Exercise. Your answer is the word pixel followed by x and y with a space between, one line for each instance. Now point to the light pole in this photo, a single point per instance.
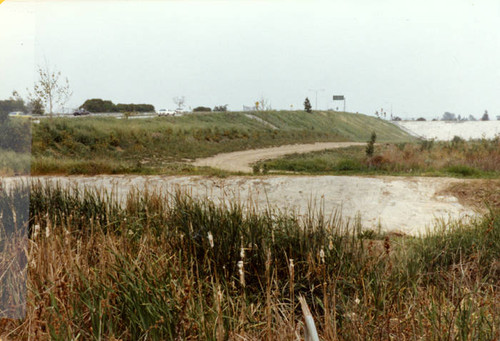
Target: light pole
pixel 316 91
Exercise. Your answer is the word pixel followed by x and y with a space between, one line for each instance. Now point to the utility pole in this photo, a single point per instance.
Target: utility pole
pixel 316 91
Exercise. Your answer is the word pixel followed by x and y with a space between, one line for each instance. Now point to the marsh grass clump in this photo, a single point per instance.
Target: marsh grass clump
pixel 163 265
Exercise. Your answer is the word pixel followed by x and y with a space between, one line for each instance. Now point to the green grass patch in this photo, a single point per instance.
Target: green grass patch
pixel 14 163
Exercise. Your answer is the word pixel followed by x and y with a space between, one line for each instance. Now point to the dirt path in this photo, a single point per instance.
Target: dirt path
pixel 241 161
pixel 408 205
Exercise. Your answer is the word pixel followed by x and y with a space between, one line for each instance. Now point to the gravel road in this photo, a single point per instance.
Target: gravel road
pixel 241 161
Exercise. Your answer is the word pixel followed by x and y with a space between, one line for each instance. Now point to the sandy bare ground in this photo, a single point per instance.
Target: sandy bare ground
pixel 240 161
pixel 445 131
pixel 408 205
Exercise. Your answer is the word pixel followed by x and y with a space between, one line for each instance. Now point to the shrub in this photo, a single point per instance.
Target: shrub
pixel 221 108
pixel 348 165
pixel 456 141
pixel 265 168
pixel 401 146
pixel 378 161
pixel 462 170
pixel 426 144
pixel 256 168
pixel 202 109
pixel 370 147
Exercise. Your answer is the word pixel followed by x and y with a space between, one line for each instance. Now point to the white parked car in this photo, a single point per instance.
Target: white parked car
pixel 165 112
pixel 16 113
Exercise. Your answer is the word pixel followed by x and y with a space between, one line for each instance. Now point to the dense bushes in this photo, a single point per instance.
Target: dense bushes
pixel 135 107
pixel 202 109
pixel 98 105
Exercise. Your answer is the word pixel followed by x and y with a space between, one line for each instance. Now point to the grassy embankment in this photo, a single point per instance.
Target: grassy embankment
pixel 15 145
pixel 169 267
pixel 162 145
pixel 457 158
pixel 14 163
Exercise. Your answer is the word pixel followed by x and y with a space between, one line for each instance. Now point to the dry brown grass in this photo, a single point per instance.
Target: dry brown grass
pixel 149 271
pixel 480 194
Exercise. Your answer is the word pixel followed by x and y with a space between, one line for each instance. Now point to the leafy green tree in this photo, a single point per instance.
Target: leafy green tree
pixel 307 105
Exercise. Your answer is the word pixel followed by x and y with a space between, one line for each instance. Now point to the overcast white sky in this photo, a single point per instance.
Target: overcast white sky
pixel 420 57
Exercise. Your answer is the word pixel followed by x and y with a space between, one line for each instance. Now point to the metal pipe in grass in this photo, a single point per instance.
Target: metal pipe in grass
pixel 310 330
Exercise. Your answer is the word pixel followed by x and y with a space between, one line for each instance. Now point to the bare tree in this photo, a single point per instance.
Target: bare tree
pixel 179 101
pixel 50 89
pixel 263 104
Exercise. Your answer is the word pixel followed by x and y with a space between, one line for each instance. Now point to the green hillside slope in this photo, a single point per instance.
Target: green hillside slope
pixel 158 141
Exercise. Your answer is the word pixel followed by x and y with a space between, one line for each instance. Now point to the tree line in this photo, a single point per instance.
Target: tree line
pixel 99 105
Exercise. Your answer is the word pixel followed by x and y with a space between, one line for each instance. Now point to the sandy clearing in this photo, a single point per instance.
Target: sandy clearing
pixel 408 205
pixel 445 131
pixel 240 161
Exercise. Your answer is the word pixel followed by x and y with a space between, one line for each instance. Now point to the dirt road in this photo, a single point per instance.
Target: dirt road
pixel 241 161
pixel 408 205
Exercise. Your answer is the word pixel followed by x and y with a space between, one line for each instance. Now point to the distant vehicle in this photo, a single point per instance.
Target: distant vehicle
pixel 17 114
pixel 81 112
pixel 166 112
pixel 179 111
